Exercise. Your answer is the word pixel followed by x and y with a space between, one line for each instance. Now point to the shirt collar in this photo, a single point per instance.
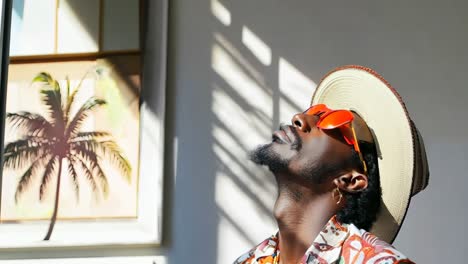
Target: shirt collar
pixel 269 247
pixel 326 247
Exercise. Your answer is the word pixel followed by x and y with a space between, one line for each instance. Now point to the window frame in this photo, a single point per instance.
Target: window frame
pixel 147 228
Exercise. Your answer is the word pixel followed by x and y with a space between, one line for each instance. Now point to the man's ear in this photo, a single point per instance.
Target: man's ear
pixel 352 182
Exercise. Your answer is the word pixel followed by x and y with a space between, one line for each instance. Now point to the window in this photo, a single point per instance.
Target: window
pixel 77 160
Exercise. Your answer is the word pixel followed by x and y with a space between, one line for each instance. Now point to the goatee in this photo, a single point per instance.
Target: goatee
pixel 265 155
pixel 312 172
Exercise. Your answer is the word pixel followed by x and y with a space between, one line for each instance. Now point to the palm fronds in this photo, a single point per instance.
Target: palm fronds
pixel 77 160
pixel 29 123
pixel 74 174
pixel 52 98
pixel 83 164
pixel 97 135
pixel 21 152
pixel 70 98
pixel 90 157
pixel 108 149
pixel 31 172
pixel 46 141
pixel 46 177
pixel 74 125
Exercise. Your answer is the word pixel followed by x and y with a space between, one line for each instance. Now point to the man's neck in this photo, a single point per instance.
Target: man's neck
pixel 301 215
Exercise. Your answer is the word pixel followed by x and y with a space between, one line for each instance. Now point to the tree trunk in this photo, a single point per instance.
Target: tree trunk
pixel 57 192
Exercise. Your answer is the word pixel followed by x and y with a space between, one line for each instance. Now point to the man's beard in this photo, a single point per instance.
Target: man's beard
pixel 266 156
pixel 313 172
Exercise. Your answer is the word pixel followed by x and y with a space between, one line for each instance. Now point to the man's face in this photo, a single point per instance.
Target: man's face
pixel 304 151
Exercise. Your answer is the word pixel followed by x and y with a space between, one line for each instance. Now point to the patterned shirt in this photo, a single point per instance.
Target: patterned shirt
pixel 336 243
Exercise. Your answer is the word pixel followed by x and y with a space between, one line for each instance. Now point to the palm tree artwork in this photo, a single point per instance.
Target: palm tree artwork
pixel 44 143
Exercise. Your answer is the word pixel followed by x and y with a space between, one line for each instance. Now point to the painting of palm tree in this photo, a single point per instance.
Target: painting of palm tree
pixel 55 145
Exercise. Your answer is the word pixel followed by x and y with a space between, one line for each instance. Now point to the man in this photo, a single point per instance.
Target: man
pixel 349 163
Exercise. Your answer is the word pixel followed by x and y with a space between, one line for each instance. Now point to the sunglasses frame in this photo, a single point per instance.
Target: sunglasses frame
pixel 347 125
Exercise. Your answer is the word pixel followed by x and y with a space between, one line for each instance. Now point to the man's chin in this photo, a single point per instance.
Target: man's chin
pixel 265 155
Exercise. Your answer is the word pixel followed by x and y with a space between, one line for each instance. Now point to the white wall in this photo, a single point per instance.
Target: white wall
pixel 225 99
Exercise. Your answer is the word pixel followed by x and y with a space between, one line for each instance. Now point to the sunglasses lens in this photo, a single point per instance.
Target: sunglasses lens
pixel 347 134
pixel 336 119
pixel 316 109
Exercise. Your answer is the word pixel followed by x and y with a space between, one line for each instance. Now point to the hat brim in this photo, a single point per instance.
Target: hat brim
pixel 364 91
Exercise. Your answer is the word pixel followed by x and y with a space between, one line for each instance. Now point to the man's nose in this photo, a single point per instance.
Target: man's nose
pixel 303 122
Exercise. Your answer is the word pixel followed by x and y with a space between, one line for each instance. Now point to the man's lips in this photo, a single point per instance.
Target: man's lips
pixel 284 135
pixel 280 136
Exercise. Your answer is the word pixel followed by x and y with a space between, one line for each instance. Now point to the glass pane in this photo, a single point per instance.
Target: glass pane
pixel 121 17
pixel 32 27
pixel 78 26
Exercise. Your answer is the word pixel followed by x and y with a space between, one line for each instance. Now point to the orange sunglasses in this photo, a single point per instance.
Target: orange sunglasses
pixel 341 119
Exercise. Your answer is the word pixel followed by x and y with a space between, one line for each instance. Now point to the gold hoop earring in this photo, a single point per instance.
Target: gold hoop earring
pixel 339 193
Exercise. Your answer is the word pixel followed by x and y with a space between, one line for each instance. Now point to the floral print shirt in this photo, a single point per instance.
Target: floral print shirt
pixel 336 243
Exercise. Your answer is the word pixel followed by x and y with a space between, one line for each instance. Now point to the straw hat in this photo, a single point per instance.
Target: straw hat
pixel 402 158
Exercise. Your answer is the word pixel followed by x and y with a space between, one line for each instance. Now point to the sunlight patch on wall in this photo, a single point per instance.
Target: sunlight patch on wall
pixel 296 90
pixel 238 171
pixel 234 75
pixel 241 119
pixel 242 106
pixel 234 205
pixel 235 240
pixel 221 12
pixel 240 58
pixel 236 133
pixel 257 46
